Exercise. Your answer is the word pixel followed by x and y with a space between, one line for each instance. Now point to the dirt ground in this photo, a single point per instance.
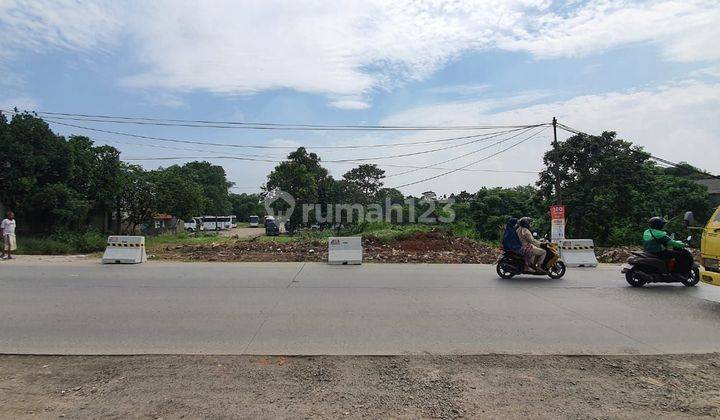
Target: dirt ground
pixel 428 247
pixel 674 386
pixel 422 247
pixel 242 232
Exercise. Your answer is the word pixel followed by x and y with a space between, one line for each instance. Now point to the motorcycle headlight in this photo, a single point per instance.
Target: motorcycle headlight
pixel 711 264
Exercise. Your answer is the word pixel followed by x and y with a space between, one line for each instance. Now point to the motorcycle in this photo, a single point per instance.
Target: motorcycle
pixel 643 267
pixel 512 264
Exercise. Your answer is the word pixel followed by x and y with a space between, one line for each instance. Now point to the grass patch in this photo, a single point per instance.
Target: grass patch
pixel 386 232
pixel 62 243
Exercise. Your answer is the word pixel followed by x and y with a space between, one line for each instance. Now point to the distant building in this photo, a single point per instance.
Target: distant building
pixel 164 223
pixel 713 186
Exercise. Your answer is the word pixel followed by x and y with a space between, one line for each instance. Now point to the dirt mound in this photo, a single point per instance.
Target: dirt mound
pixel 620 254
pixel 430 247
pixel 615 255
pixel 249 251
pixel 422 247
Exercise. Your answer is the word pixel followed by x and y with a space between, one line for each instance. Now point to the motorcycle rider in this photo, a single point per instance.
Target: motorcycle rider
pixel 534 255
pixel 657 242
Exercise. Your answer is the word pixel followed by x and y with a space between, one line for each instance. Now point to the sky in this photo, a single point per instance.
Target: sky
pixel 649 71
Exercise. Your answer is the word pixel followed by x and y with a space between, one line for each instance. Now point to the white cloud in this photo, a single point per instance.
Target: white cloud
pixel 684 30
pixel 712 71
pixel 22 103
pixel 461 90
pixel 41 25
pixel 677 122
pixel 348 51
pixel 349 104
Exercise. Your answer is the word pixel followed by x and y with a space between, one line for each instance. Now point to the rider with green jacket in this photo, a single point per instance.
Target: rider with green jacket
pixel 656 241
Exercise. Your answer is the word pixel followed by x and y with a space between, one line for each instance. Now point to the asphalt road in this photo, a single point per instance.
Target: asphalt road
pixel 83 307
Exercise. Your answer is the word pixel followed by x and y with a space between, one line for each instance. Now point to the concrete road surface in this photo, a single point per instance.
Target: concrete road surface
pixel 83 307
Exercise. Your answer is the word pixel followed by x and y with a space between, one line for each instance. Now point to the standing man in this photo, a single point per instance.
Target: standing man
pixel 7 230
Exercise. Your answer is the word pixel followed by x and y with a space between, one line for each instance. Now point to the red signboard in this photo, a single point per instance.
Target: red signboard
pixel 557 212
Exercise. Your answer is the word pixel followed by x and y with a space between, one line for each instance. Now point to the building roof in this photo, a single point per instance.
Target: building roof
pixel 162 216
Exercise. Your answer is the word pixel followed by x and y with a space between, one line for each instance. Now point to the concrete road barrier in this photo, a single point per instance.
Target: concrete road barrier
pixel 125 250
pixel 345 250
pixel 578 252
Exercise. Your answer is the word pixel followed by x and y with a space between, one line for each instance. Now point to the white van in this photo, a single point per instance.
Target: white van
pixel 254 221
pixel 194 225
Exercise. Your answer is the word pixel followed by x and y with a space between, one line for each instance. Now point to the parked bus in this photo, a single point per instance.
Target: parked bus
pixel 211 223
pixel 254 221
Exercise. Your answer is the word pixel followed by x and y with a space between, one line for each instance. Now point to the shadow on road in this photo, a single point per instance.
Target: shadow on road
pixel 530 279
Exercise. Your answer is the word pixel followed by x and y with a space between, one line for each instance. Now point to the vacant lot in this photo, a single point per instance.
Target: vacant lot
pixel 672 386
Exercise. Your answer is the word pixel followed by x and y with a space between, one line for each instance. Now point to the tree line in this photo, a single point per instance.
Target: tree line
pixel 610 188
pixel 55 183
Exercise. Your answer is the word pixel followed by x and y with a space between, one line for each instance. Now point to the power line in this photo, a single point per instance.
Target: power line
pixel 472 163
pixel 207 143
pixel 254 125
pixel 364 159
pixel 231 157
pixel 401 155
pixel 158 146
pixel 461 156
pixel 655 158
pixel 421 152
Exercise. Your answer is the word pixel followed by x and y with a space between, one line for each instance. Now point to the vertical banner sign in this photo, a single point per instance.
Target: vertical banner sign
pixel 557 220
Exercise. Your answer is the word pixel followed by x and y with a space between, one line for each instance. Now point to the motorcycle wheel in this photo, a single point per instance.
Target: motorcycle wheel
pixel 633 279
pixel 693 279
pixel 502 272
pixel 557 271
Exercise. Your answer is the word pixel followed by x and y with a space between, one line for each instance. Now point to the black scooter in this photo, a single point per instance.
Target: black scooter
pixel 643 267
pixel 512 264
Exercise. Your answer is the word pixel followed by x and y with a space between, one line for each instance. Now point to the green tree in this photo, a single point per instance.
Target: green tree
pixel 302 176
pixel 36 163
pixel 363 183
pixel 177 194
pixel 490 209
pixel 611 188
pixel 214 183
pixel 138 201
pixel 246 205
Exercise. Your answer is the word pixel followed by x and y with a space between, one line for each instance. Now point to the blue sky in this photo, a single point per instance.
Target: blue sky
pixel 648 70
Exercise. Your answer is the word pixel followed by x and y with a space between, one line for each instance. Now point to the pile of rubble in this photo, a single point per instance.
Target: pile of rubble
pixel 620 254
pixel 425 247
pixel 615 255
pixel 430 247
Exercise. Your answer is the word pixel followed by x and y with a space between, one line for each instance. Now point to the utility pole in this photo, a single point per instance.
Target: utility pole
pixel 558 196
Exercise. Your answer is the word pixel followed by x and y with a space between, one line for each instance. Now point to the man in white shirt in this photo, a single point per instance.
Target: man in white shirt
pixel 7 230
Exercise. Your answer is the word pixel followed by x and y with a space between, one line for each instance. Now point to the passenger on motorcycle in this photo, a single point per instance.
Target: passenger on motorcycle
pixel 656 241
pixel 534 255
pixel 511 240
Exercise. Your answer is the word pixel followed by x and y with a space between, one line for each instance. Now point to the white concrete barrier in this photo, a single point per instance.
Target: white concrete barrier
pixel 578 252
pixel 125 250
pixel 345 250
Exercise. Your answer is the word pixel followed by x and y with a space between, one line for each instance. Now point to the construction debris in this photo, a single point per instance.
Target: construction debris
pixel 424 247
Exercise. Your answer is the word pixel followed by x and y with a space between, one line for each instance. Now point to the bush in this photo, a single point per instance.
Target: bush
pixel 61 243
pixel 42 246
